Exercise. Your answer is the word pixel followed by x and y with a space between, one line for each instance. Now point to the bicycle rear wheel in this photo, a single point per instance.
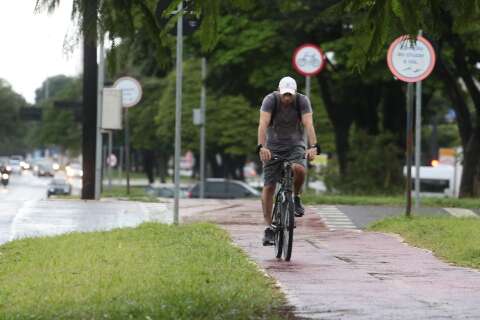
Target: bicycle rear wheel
pixel 288 226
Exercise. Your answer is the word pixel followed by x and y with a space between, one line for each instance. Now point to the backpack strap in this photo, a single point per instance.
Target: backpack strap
pixel 274 111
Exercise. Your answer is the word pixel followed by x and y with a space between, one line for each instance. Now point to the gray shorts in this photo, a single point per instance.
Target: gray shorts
pixel 272 170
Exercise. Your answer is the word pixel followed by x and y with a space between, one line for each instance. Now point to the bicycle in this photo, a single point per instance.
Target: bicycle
pixel 283 214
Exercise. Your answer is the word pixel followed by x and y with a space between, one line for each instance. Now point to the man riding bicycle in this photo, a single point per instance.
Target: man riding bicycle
pixel 284 117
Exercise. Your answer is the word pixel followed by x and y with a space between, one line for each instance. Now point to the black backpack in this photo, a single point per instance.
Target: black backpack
pixel 296 105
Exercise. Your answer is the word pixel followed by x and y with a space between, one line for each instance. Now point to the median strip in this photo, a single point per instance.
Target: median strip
pixel 154 271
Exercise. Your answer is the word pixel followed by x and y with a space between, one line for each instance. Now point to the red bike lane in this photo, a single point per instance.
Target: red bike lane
pixel 348 274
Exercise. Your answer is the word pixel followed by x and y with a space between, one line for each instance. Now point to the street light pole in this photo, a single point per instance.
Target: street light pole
pixel 178 110
pixel 98 157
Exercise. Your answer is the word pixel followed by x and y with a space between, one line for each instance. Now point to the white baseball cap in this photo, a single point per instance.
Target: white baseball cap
pixel 287 85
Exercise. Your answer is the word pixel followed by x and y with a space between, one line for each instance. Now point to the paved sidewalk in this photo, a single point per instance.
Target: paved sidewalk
pixel 348 274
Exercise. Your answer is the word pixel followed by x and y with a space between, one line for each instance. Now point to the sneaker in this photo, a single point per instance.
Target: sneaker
pixel 269 237
pixel 299 209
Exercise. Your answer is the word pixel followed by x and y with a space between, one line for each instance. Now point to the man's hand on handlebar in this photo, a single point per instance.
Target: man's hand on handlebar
pixel 265 154
pixel 311 153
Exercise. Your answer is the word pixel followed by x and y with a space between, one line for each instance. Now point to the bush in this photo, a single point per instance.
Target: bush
pixel 374 166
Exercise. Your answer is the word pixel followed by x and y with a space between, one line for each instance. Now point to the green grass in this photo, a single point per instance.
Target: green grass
pixel 137 193
pixel 310 198
pixel 153 271
pixel 456 240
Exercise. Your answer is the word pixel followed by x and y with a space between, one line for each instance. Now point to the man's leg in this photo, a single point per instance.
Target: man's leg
pixel 298 179
pixel 267 203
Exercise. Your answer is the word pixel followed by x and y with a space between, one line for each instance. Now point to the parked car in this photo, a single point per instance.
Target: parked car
pixel 164 192
pixel 74 170
pixel 59 186
pixel 43 169
pixel 224 189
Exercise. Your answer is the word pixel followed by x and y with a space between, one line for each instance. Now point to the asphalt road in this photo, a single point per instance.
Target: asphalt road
pixel 25 210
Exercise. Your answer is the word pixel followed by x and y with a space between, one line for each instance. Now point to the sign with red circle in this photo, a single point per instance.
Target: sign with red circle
pixel 411 61
pixel 308 59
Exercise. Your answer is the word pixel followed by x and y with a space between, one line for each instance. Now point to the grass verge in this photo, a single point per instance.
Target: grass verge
pixel 311 198
pixel 137 193
pixel 456 240
pixel 153 271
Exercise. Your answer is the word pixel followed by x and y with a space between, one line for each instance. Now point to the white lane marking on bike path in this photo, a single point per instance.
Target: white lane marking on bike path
pixel 334 218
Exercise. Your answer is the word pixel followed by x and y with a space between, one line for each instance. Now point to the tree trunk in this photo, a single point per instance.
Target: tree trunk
pixel 341 119
pixel 471 174
pixel 149 164
pixel 89 113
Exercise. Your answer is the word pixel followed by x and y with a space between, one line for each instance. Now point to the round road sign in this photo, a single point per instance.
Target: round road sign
pixel 112 160
pixel 308 59
pixel 131 91
pixel 411 61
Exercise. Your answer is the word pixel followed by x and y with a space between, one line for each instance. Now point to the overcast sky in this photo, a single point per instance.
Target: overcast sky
pixel 33 45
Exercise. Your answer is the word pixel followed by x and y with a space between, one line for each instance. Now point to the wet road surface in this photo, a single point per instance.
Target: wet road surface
pixel 25 211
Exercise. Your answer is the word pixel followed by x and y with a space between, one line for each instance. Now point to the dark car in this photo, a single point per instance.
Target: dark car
pixel 163 192
pixel 224 189
pixel 59 187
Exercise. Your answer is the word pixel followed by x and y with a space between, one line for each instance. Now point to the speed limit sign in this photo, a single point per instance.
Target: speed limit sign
pixel 308 60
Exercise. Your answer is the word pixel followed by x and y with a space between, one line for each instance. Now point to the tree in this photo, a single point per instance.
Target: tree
pixel 59 126
pixel 12 131
pixel 453 27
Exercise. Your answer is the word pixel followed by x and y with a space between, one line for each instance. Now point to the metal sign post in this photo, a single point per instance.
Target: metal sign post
pixel 308 60
pixel 98 156
pixel 178 110
pixel 411 61
pixel 131 95
pixel 409 143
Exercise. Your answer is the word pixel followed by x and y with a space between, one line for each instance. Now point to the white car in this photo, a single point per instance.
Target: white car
pixel 74 170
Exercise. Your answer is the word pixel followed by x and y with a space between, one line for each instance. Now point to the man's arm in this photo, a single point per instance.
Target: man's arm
pixel 262 126
pixel 307 120
pixel 262 134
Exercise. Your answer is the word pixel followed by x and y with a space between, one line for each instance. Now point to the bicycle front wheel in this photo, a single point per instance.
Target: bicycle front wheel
pixel 288 226
pixel 278 228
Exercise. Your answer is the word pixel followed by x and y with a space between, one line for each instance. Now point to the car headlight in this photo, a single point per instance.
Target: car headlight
pixel 55 166
pixel 8 168
pixel 4 176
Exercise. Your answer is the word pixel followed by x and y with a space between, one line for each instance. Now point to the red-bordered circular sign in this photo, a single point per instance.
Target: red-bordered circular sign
pixel 131 91
pixel 308 59
pixel 411 62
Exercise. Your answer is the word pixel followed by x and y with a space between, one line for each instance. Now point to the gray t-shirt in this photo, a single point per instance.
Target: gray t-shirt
pixel 286 130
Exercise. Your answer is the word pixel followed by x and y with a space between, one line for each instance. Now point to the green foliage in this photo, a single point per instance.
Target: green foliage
pixel 12 130
pixel 59 126
pixel 231 122
pixel 373 167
